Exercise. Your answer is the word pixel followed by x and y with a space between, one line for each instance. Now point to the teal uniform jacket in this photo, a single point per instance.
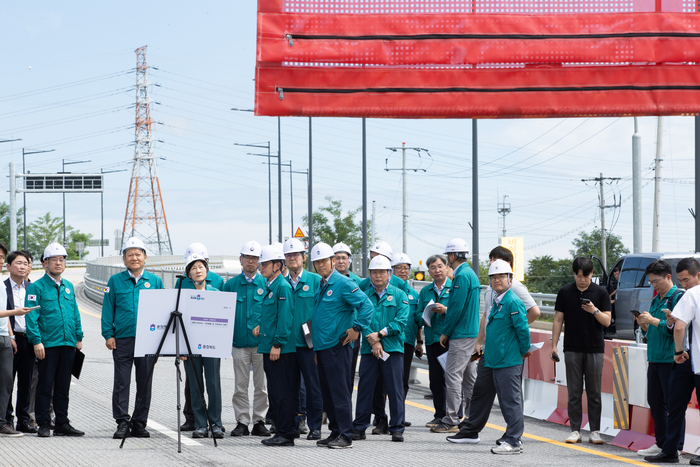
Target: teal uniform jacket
pixel 249 300
pixel 415 319
pixel 121 303
pixel 213 279
pixel 507 333
pixel 304 295
pixel 57 322
pixel 338 306
pixel 391 311
pixel 660 345
pixel 396 281
pixel 462 316
pixel 432 333
pixel 277 317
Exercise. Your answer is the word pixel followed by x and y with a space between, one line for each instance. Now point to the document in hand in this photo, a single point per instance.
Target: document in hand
pixel 443 360
pixel 306 328
pixel 428 312
pixel 535 347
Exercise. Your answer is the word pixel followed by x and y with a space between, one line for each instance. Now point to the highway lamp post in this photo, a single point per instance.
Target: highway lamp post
pixel 63 171
pixel 24 193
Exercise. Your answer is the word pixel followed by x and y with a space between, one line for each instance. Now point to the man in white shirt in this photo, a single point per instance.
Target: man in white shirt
pixel 18 263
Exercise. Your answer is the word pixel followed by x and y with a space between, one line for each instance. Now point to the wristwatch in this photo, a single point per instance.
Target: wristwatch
pixel 380 335
pixel 277 345
pixel 596 311
pixel 420 342
pixel 356 328
pixel 679 352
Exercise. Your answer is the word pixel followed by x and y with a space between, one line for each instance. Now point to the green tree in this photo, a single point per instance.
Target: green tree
pixel 5 225
pixel 48 229
pixel 544 274
pixel 331 225
pixel 588 243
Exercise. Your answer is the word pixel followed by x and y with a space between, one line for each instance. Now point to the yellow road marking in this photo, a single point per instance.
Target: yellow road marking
pixel 549 441
pixel 88 313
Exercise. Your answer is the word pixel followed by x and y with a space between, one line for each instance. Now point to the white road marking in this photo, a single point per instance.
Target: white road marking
pixel 186 440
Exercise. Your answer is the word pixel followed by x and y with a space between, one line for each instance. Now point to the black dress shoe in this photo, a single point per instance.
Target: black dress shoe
pixel 324 442
pixel 67 430
pixel 405 423
pixel 314 435
pixel 122 430
pixel 45 430
pixel 397 437
pixel 358 435
pixel 138 430
pixel 695 461
pixel 260 430
pixel 382 427
pixel 278 441
pixel 297 434
pixel 662 458
pixel 25 427
pixel 241 430
pixel 187 426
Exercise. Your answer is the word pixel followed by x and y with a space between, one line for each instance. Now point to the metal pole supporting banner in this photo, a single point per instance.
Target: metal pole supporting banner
pixel 603 248
pixel 475 199
pixel 697 186
pixel 405 212
pixel 291 200
pixel 279 178
pixel 364 197
pixel 24 202
pixel 655 239
pixel 311 203
pixel 637 188
pixel 269 193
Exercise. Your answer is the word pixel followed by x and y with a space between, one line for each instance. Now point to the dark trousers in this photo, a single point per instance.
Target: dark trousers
pixel 408 350
pixel 581 365
pixel 392 372
pixel 658 379
pixel 187 409
pixel 437 378
pixel 5 373
pixel 283 384
pixel 123 357
pixel 378 395
pixel 210 368
pixel 313 398
pixel 682 383
pixel 23 368
pixel 483 395
pixel 54 372
pixel 334 376
pixel 355 355
pixel 301 411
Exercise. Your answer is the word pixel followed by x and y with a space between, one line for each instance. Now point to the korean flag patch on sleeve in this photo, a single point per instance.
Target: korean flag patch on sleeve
pixel 31 298
pixel 106 289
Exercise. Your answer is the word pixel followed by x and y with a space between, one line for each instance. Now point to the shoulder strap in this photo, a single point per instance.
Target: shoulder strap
pixel 672 300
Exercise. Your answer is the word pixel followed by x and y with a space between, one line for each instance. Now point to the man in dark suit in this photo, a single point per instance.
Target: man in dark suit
pixel 18 265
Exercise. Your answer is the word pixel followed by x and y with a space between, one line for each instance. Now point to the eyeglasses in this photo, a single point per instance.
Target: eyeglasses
pixel 57 259
pixel 656 281
pixel 20 263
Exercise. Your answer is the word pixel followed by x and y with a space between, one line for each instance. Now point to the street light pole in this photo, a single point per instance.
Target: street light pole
pixel 63 171
pixel 24 194
pixel 102 211
pixel 269 181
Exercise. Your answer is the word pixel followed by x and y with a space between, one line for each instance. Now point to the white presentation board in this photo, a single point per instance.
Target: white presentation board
pixel 208 317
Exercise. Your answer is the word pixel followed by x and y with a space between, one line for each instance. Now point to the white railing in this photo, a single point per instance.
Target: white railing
pixel 98 271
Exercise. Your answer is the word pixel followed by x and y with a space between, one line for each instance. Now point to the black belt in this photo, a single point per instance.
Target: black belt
pixel 20 333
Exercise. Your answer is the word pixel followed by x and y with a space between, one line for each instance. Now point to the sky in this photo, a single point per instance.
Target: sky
pixel 67 82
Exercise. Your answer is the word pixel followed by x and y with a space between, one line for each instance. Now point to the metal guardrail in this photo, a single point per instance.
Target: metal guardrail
pixel 98 271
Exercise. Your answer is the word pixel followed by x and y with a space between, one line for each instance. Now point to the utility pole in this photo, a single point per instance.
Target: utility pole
pixel 504 210
pixel 637 188
pixel 13 208
pixel 657 187
pixel 403 169
pixel 616 204
pixel 269 179
pixel 373 212
pixel 24 193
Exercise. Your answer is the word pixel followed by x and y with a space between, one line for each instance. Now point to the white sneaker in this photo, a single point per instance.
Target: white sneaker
pixel 505 448
pixel 594 438
pixel 574 437
pixel 650 451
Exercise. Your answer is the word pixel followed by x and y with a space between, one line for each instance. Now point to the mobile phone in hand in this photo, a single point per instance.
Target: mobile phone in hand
pixel 585 301
pixel 635 313
pixel 555 357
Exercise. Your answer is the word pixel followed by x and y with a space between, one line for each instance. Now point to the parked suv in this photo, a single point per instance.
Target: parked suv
pixel 634 291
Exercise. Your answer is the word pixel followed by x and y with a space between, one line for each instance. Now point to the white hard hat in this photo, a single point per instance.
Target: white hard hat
pixel 342 248
pixel 379 262
pixel 193 258
pixel 499 267
pixel 251 248
pixel 196 248
pixel 271 253
pixel 321 251
pixel 55 249
pixel 134 242
pixel 457 245
pixel 292 245
pixel 401 258
pixel 384 249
